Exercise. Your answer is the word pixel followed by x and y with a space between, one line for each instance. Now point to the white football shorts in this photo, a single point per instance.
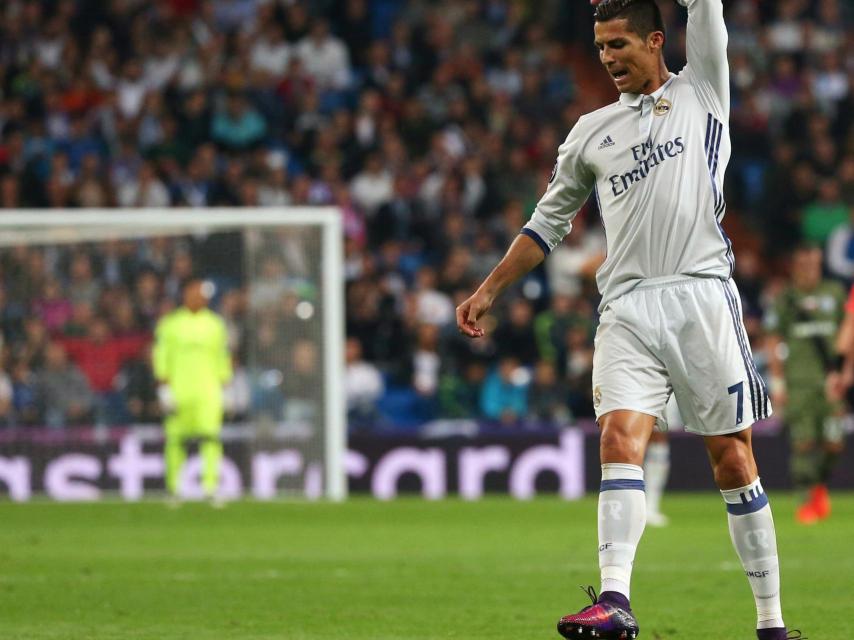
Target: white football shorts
pixel 682 336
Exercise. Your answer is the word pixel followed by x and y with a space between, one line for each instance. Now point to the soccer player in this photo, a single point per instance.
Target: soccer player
pixel 191 357
pixel 803 326
pixel 670 316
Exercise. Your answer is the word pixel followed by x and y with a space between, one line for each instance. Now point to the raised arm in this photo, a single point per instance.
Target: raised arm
pixel 706 52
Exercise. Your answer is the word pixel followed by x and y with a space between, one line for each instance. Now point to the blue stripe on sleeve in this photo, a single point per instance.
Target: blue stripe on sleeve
pixel 533 235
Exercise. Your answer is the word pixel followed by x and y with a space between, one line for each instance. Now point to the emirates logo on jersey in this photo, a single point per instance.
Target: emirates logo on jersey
pixel 648 157
pixel 662 107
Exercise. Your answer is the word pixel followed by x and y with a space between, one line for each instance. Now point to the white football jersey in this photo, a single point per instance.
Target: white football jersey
pixel 656 165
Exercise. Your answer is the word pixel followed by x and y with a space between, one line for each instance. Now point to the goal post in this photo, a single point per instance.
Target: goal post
pixel 305 243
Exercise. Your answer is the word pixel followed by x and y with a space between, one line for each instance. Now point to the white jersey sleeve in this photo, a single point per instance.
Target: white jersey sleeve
pixel 706 51
pixel 568 189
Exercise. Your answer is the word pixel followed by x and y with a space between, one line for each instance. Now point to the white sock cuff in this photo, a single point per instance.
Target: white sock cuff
pixel 734 496
pixel 747 499
pixel 619 471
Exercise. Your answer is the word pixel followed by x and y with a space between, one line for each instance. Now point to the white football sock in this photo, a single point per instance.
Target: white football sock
pixel 622 517
pixel 656 468
pixel 751 528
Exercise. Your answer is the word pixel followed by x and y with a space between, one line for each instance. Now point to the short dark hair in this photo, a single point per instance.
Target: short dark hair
pixel 808 246
pixel 644 16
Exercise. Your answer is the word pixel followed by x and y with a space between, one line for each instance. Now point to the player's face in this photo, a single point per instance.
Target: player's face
pixel 194 296
pixel 632 62
pixel 806 268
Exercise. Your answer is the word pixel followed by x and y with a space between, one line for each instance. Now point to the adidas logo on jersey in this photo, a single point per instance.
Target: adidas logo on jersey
pixel 607 142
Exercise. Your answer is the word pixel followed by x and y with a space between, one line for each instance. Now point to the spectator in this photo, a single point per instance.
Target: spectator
pixel 138 387
pixel 146 190
pixel 301 382
pixel 551 326
pixel 426 362
pixel 325 58
pixel 27 401
pixel 503 396
pixel 547 396
pixel 270 54
pixel 432 306
pixel 373 187
pixel 52 307
pixel 131 90
pixel 68 399
pixel 237 126
pixel 515 337
pixel 363 384
pixel 579 369
pixel 826 214
pixel 100 356
pixel 459 395
pixel 83 286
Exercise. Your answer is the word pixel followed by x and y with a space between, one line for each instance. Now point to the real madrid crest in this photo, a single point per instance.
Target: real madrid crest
pixel 597 396
pixel 662 107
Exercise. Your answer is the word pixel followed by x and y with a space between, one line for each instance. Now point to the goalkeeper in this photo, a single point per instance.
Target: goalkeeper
pixel 192 363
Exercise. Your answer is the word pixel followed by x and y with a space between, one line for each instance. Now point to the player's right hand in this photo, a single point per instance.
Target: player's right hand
pixel 165 397
pixel 470 311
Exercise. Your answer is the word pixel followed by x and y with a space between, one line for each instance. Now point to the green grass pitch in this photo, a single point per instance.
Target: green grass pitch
pixel 365 570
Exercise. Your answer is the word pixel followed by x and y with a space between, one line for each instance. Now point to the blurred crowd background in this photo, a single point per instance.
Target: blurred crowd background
pixel 434 127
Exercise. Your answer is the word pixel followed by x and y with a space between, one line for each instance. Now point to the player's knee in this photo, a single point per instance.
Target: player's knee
pixel 617 445
pixel 735 468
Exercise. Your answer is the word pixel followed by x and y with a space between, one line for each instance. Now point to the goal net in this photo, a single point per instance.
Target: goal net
pixel 80 295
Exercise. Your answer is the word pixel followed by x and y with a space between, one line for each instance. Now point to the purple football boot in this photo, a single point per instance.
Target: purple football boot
pixel 608 618
pixel 779 633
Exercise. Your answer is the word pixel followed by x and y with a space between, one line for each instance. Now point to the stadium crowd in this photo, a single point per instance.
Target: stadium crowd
pixel 434 126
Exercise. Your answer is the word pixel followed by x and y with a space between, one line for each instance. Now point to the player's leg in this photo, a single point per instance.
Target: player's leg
pixel 210 418
pixel 630 390
pixel 174 453
pixel 720 395
pixel 804 424
pixel 622 503
pixel 622 517
pixel 751 525
pixel 833 443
